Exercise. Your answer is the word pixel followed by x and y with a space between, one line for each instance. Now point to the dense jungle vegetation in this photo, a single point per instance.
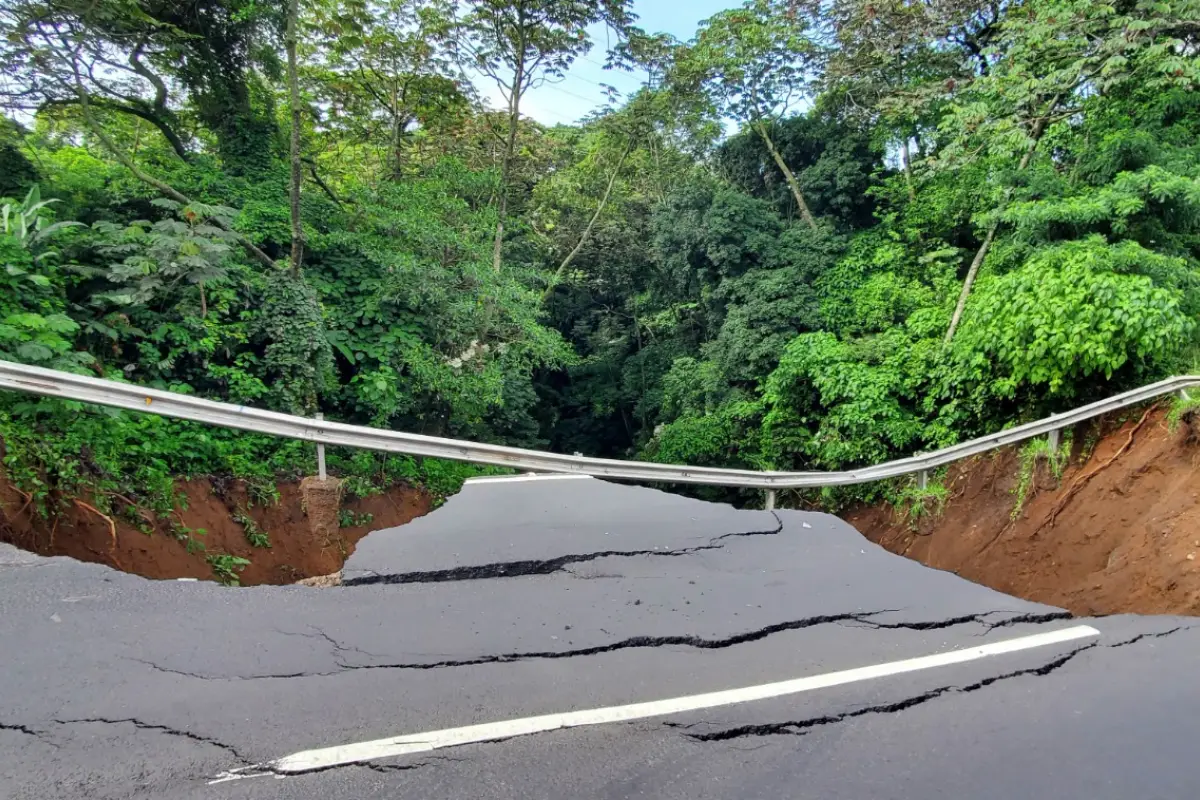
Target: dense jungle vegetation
pixel 824 233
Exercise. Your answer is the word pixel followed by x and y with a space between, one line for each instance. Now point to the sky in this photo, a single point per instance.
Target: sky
pixel 580 91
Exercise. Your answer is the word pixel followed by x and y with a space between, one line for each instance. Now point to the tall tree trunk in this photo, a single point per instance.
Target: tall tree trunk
pixel 294 103
pixel 906 162
pixel 510 145
pixel 805 214
pixel 1039 128
pixel 980 254
pixel 397 134
pixel 583 237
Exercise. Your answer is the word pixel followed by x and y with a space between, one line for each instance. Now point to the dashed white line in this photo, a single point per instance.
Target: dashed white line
pixel 326 757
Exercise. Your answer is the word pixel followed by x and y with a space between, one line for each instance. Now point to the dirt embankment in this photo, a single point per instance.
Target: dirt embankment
pixel 1118 532
pixel 218 518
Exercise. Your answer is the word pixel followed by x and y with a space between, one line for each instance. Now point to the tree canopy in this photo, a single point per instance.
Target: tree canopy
pixel 821 235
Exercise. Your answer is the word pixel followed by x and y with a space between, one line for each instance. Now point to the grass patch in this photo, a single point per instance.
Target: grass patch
pixel 1034 453
pixel 1182 408
pixel 914 503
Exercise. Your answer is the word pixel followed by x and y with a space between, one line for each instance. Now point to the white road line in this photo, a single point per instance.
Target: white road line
pixel 326 757
pixel 514 478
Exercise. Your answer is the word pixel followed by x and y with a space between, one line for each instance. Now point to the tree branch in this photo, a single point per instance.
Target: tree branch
pixel 312 168
pixel 173 139
pixel 168 190
pixel 583 237
pixel 160 86
pixel 1039 128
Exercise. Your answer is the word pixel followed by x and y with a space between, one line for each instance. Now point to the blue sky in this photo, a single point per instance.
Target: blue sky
pixel 580 92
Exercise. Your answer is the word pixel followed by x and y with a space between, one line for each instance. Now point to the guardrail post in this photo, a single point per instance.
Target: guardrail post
pixel 923 479
pixel 770 504
pixel 1054 439
pixel 320 454
pixel 1184 396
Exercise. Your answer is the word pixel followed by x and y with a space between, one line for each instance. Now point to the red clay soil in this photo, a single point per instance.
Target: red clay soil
pixel 296 552
pixel 1118 533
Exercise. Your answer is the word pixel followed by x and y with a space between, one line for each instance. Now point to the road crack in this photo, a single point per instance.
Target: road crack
pixel 862 619
pixel 801 727
pixel 41 736
pixel 1158 635
pixel 337 646
pixel 516 569
pixel 966 619
pixel 165 729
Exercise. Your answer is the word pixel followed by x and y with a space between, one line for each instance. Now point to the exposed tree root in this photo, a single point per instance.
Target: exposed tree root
pixel 112 527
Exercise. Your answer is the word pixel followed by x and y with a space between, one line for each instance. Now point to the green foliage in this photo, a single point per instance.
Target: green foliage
pixel 33 326
pixel 192 538
pixel 835 161
pixel 159 255
pixel 263 493
pixel 844 404
pixel 255 535
pixel 297 359
pixel 365 474
pixel 726 437
pixel 766 307
pixel 26 223
pixel 1057 322
pixel 913 504
pixel 227 568
pixel 1182 408
pixel 696 321
pixel 750 61
pixel 16 171
pixel 349 519
pixel 55 450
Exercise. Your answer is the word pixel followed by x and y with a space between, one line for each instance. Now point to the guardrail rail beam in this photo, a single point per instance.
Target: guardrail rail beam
pixel 90 389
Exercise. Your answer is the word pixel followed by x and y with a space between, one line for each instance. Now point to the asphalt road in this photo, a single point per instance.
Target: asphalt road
pixel 797 661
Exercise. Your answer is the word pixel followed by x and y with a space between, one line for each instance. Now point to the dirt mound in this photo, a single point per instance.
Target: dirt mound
pixel 219 518
pixel 1118 532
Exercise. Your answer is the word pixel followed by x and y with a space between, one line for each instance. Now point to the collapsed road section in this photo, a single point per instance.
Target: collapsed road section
pixel 577 638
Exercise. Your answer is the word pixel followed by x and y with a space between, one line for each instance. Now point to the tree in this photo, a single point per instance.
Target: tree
pixel 1050 60
pixel 223 52
pixel 293 81
pixel 835 162
pixel 894 64
pixel 779 298
pixel 753 63
pixel 119 62
pixel 619 133
pixel 380 67
pixel 130 54
pixel 521 44
pixel 157 256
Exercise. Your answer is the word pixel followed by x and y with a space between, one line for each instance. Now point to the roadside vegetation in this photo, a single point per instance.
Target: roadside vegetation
pixel 821 235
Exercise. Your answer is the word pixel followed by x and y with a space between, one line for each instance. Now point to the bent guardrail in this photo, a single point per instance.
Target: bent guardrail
pixel 51 383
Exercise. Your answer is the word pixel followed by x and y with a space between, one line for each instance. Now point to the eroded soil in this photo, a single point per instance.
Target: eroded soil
pixel 296 550
pixel 1119 532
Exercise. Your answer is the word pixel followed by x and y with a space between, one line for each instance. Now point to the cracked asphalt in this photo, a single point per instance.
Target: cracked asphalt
pixel 519 599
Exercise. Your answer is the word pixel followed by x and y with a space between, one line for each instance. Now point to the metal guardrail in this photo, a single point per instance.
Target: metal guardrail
pixel 51 383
